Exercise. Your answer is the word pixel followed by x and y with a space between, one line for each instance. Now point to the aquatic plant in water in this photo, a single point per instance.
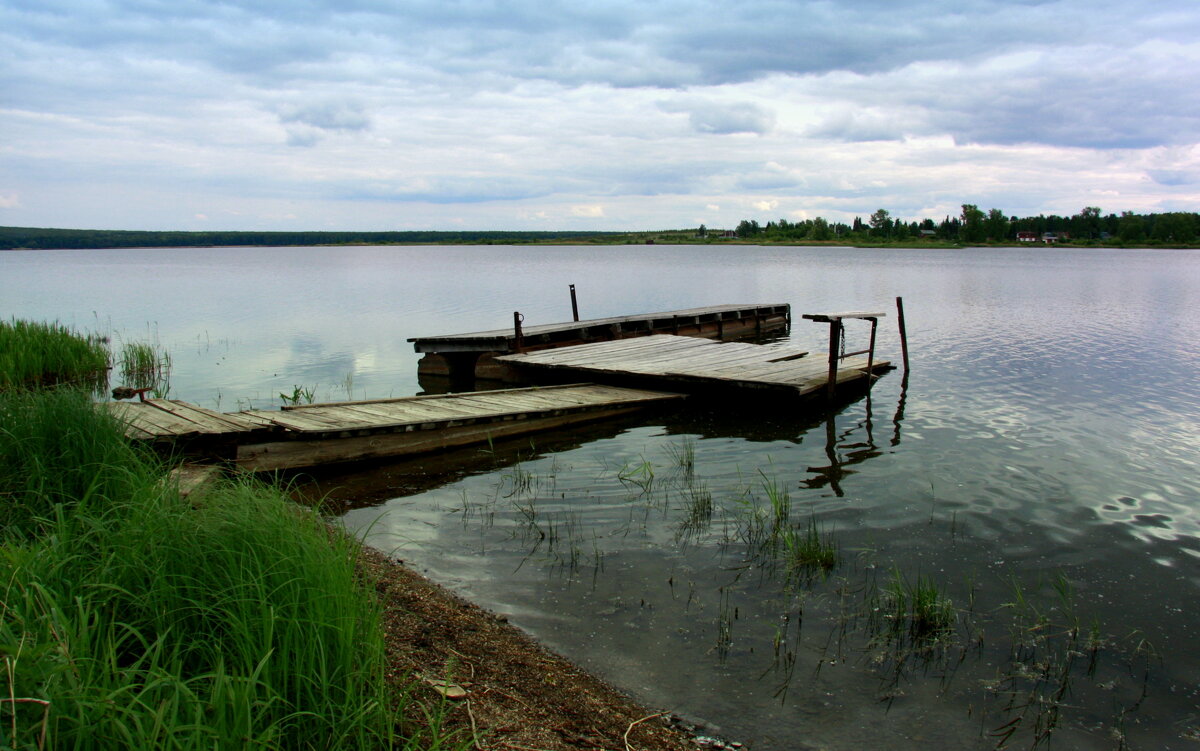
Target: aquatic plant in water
pixel 145 366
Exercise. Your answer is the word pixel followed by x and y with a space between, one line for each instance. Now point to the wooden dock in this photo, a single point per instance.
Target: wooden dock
pixel 473 353
pixel 312 434
pixel 689 364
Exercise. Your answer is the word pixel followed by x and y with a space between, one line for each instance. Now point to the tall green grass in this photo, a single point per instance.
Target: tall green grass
pixel 145 366
pixel 35 354
pixel 132 618
pixel 57 449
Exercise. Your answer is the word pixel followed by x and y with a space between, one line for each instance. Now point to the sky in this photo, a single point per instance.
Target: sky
pixel 589 114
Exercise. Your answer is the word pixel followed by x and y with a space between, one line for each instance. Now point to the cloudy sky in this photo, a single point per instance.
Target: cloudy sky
pixel 586 114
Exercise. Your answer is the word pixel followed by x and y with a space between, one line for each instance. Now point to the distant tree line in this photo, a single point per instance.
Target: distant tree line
pixel 975 226
pixel 39 238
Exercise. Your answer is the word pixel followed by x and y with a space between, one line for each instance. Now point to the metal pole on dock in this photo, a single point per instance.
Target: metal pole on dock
pixel 903 333
pixel 519 344
pixel 574 304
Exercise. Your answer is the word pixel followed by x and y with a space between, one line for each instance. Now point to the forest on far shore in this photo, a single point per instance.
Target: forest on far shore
pixel 972 227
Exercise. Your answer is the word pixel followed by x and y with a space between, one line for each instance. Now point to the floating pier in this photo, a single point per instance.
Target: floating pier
pixel 313 434
pixel 632 367
pixel 691 365
pixel 473 354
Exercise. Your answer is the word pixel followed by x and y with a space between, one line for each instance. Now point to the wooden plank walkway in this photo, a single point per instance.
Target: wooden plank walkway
pixel 687 363
pixel 171 419
pixel 312 434
pixel 716 319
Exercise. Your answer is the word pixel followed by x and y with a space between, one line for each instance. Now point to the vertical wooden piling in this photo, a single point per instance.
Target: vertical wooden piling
pixel 835 345
pixel 519 343
pixel 574 304
pixel 871 354
pixel 903 333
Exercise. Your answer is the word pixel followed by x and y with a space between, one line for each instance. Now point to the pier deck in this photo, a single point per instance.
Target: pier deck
pixel 681 363
pixel 716 320
pixel 311 434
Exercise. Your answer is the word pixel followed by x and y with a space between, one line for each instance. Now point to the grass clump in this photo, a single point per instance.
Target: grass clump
pixel 808 550
pixel 145 366
pixel 918 607
pixel 135 619
pixel 37 355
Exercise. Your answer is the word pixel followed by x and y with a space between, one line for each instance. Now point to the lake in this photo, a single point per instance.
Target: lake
pixel 1032 484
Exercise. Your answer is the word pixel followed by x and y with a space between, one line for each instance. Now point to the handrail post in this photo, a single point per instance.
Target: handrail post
pixel 871 352
pixel 903 333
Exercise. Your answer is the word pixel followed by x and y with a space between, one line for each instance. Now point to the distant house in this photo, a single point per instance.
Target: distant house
pixel 928 234
pixel 1027 237
pixel 1055 237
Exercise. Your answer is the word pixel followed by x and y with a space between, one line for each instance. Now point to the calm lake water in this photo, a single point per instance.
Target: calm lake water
pixel 1039 467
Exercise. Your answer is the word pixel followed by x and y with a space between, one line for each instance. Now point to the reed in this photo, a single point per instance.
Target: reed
pixel 38 355
pixel 145 366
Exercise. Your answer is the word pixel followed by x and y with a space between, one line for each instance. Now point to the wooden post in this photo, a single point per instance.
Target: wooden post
pixel 519 343
pixel 871 355
pixel 574 304
pixel 903 333
pixel 835 343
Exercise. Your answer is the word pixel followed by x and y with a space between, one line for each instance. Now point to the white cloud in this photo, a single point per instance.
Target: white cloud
pixel 10 201
pixel 135 114
pixel 591 212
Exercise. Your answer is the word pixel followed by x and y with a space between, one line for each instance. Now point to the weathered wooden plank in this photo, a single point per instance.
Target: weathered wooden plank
pixel 425 397
pixel 699 361
pixel 160 423
pixel 305 423
pixel 831 317
pixel 295 454
pixel 731 312
pixel 212 422
pixel 134 428
pixel 621 348
pixel 190 478
pixel 261 418
pixel 456 409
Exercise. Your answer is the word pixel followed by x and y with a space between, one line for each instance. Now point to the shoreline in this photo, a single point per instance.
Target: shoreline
pixel 519 694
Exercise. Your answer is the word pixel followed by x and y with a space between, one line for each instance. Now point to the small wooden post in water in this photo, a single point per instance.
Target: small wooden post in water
pixel 574 304
pixel 519 344
pixel 903 333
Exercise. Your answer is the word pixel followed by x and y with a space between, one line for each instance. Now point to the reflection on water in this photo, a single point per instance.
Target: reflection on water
pixel 1049 429
pixel 692 579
